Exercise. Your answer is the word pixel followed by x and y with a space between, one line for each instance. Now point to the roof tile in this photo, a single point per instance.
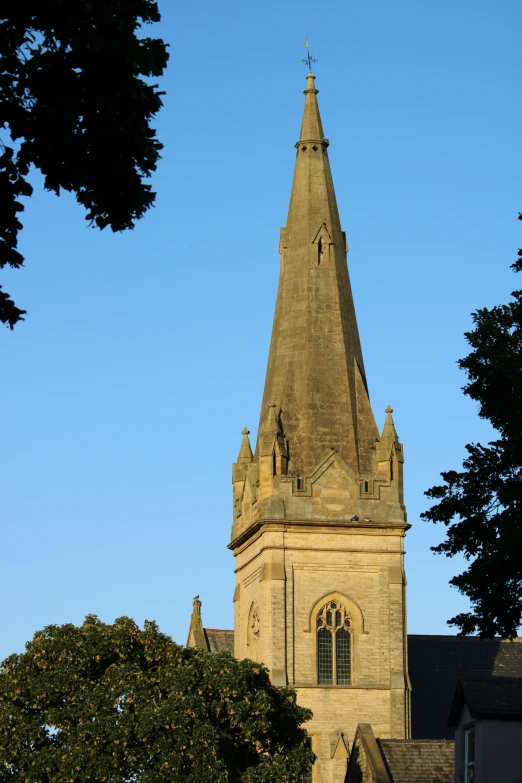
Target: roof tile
pixel 418 761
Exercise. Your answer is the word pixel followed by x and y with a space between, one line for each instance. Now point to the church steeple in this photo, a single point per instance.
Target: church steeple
pixel 316 426
pixel 319 518
pixel 315 372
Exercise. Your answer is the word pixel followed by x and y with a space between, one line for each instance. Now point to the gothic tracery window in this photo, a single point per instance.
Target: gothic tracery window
pixel 334 645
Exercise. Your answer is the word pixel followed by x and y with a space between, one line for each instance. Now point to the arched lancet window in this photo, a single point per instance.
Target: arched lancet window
pixel 254 631
pixel 334 645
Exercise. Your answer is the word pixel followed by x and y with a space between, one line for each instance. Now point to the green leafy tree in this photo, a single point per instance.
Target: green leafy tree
pixel 75 106
pixel 115 703
pixel 481 506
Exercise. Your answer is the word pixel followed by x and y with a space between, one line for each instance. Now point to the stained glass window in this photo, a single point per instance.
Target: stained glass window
pixel 342 656
pixel 334 645
pixel 324 657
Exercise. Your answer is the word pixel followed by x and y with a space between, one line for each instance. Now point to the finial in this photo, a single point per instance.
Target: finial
pixel 245 452
pixel 389 431
pixel 309 57
pixel 196 605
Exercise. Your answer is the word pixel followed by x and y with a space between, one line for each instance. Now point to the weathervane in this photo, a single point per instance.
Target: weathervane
pixel 309 57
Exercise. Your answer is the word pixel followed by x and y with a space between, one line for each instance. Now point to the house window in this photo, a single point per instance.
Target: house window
pixel 334 645
pixel 469 755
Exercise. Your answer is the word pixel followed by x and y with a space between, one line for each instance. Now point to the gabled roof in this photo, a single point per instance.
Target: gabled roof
pixel 399 760
pixel 219 640
pixel 493 698
pixel 211 639
pixel 413 761
pixel 434 663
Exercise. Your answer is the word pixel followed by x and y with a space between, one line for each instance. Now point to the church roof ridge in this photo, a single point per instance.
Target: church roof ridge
pixel 456 638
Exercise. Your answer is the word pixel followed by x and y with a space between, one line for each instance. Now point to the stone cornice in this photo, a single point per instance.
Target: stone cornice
pixel 329 525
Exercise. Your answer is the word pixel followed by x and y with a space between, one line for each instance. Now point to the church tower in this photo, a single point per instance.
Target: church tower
pixel 319 517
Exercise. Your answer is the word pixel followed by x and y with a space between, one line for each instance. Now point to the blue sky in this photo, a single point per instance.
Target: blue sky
pixel 143 354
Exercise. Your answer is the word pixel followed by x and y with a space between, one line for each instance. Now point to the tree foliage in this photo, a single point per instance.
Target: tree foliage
pixel 481 506
pixel 118 704
pixel 75 106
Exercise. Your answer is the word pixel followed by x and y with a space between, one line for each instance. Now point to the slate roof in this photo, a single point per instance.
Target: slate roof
pixel 495 698
pixel 418 761
pixel 219 640
pixel 434 663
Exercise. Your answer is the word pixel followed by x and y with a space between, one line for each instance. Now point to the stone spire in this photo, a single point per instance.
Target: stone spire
pixel 389 433
pixel 318 453
pixel 245 452
pixel 315 375
pixel 319 518
pixel 311 126
pixel 196 636
pixel 390 457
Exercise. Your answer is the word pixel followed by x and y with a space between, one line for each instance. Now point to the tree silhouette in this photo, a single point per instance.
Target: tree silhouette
pixel 75 106
pixel 120 704
pixel 481 506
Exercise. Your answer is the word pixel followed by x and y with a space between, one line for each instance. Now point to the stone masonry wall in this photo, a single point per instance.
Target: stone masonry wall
pixel 290 572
